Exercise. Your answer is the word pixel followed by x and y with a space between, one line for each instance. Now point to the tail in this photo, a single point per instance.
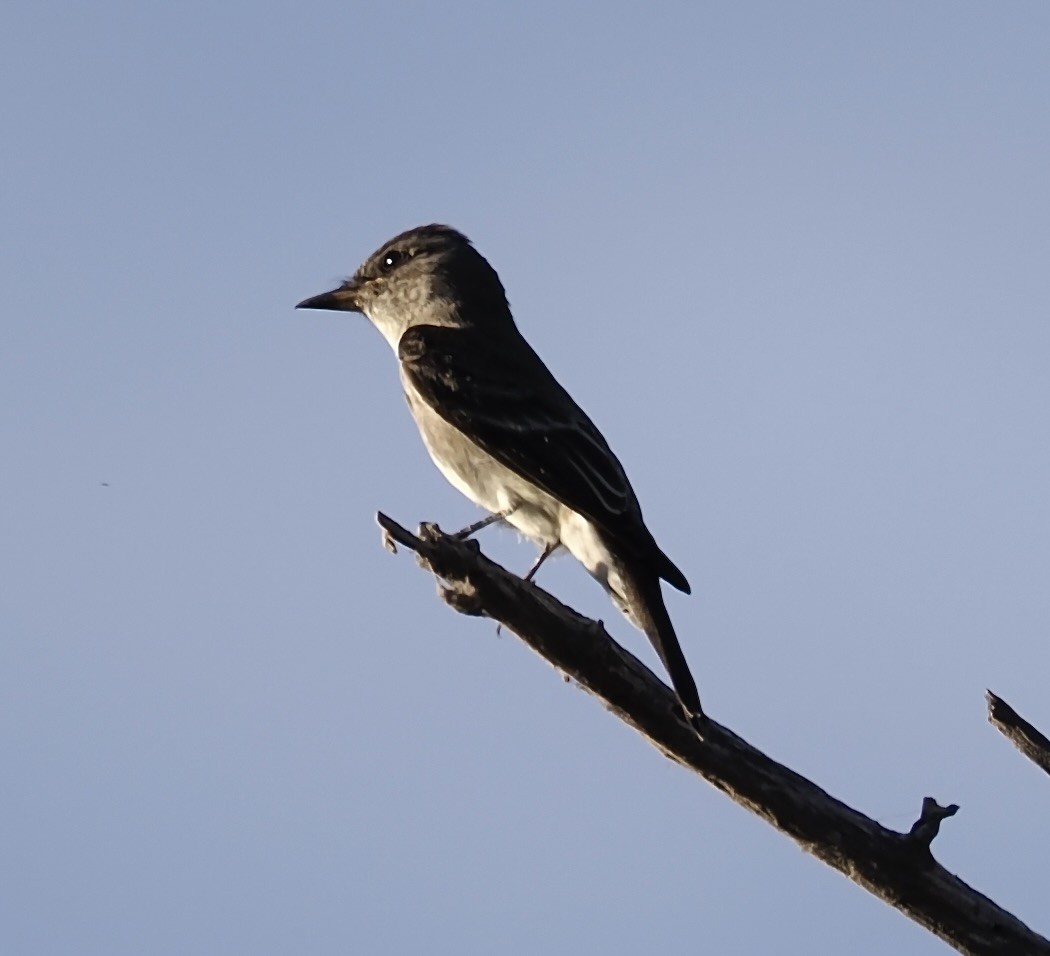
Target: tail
pixel 645 607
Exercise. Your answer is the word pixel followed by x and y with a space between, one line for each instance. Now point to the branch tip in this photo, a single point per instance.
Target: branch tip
pixel 1023 735
pixel 393 533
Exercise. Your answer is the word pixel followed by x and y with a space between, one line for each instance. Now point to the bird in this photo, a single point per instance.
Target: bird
pixel 502 429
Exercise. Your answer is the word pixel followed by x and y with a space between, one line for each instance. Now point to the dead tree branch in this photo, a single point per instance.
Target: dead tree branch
pixel 896 867
pixel 1018 731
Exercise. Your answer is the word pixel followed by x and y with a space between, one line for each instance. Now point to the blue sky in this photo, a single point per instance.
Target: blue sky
pixel 792 259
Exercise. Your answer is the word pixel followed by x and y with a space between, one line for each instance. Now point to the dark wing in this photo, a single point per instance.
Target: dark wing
pixel 499 394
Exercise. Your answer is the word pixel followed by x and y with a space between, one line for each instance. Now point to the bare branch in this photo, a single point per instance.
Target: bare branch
pixel 896 867
pixel 1018 731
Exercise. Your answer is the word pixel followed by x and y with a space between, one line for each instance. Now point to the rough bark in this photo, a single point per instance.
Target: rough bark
pixel 1018 731
pixel 896 867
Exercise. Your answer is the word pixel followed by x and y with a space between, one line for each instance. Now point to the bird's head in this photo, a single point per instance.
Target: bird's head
pixel 430 275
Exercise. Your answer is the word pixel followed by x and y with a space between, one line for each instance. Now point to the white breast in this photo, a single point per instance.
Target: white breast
pixel 482 479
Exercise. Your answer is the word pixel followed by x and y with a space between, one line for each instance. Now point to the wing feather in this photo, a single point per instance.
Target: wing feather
pixel 501 396
pixel 508 403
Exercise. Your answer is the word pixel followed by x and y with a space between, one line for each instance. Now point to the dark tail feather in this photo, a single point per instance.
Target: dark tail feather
pixel 670 573
pixel 646 608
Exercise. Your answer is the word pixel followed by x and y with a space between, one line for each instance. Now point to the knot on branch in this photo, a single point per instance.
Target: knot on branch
pixel 463 597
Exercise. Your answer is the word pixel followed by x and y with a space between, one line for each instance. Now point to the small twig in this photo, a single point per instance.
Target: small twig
pixel 1018 731
pixel 927 826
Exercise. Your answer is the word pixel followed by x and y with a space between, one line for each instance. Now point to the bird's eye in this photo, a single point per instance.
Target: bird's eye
pixel 390 260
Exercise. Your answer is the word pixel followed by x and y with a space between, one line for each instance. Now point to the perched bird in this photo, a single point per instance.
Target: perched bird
pixel 503 431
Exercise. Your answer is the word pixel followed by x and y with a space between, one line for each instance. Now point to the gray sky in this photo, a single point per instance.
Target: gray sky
pixel 793 261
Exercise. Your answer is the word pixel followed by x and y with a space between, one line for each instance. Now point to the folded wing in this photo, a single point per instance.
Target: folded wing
pixel 507 402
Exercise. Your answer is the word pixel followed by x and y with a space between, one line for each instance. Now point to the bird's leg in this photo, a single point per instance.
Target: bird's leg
pixel 547 551
pixel 478 525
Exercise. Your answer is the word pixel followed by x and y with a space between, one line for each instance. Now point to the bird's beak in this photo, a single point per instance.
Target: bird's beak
pixel 343 299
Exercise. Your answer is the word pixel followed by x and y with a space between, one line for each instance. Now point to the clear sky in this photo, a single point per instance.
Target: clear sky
pixel 792 259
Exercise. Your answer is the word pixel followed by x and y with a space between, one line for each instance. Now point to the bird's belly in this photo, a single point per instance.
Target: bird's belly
pixel 582 540
pixel 478 476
